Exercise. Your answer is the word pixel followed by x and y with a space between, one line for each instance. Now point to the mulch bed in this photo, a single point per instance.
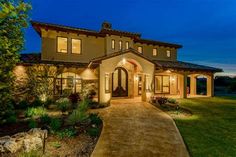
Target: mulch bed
pixel 174 110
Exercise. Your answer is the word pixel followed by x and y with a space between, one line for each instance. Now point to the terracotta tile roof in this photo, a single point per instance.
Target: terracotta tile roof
pixel 35 58
pixel 99 59
pixel 154 42
pixel 119 32
pixel 37 25
pixel 102 33
pixel 179 65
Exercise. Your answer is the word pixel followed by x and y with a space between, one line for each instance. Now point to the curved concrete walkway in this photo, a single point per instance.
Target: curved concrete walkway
pixel 137 129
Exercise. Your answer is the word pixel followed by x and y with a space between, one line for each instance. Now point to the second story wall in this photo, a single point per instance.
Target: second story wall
pixel 162 53
pixel 91 47
pixel 117 40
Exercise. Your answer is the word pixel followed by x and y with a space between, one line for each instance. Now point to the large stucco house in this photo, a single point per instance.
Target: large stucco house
pixel 118 63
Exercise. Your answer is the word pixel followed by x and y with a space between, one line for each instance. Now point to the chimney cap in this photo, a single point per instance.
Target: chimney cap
pixel 106 25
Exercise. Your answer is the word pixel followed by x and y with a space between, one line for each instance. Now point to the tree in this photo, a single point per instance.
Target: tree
pixel 13 18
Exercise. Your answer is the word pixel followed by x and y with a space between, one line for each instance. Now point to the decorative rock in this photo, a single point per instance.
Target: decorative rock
pixel 19 136
pixel 27 141
pixel 4 139
pixel 32 144
pixel 11 146
pixel 2 150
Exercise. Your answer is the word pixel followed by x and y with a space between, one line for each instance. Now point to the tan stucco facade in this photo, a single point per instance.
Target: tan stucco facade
pixel 141 68
pixel 108 66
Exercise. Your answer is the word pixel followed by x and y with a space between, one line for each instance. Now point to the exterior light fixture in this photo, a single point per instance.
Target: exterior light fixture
pixel 123 60
pixel 168 71
pixel 136 78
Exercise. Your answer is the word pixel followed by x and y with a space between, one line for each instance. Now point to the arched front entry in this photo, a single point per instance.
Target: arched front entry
pixel 120 82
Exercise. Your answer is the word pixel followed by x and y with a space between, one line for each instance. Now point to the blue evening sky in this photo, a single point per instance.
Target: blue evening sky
pixel 205 28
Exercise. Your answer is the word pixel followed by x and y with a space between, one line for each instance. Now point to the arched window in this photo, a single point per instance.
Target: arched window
pixel 67 83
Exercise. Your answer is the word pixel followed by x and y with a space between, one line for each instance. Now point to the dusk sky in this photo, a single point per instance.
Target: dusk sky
pixel 205 28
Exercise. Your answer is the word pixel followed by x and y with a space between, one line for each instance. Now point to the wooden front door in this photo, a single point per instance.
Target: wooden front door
pixel 120 83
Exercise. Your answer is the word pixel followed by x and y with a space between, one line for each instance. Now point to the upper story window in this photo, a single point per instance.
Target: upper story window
pixel 76 46
pixel 126 45
pixel 140 49
pixel 62 44
pixel 168 53
pixel 120 45
pixel 113 44
pixel 154 52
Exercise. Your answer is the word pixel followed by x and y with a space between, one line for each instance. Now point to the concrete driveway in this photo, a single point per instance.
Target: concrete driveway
pixel 137 129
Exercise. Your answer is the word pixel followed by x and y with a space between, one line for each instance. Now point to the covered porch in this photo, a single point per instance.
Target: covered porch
pixel 181 80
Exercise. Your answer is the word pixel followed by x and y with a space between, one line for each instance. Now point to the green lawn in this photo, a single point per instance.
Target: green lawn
pixel 211 131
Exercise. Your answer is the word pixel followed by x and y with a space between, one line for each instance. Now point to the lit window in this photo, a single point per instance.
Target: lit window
pixel 76 46
pixel 120 45
pixel 126 45
pixel 162 84
pixel 140 49
pixel 168 53
pixel 113 44
pixel 154 52
pixel 62 44
pixel 107 83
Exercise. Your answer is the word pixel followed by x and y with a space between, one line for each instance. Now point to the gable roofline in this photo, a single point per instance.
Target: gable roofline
pixel 38 25
pixel 98 60
pixel 155 42
pixel 102 33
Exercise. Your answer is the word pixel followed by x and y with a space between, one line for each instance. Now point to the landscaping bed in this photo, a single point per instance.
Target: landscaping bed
pixel 171 107
pixel 72 129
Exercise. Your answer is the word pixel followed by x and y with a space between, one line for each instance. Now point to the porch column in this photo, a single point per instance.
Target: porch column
pixel 183 86
pixel 193 85
pixel 144 96
pixel 210 85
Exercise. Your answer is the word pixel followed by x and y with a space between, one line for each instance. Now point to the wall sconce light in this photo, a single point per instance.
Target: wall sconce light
pixel 123 60
pixel 136 78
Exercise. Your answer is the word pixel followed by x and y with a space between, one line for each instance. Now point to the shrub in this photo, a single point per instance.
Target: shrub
pixel 56 144
pixel 94 132
pixel 22 104
pixel 173 101
pixel 36 103
pixel 55 124
pixel 70 132
pixel 63 104
pixel 83 105
pixel 48 102
pixel 91 94
pixel 161 100
pixel 12 119
pixel 45 119
pixel 95 119
pixel 32 153
pixel 76 116
pixel 39 111
pixel 32 124
pixel 74 98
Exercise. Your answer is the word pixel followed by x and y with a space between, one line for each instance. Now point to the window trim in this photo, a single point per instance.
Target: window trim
pixel 126 45
pixel 167 53
pixel 112 44
pixel 80 46
pixel 107 80
pixel 153 53
pixel 57 44
pixel 120 44
pixel 141 49
pixel 161 85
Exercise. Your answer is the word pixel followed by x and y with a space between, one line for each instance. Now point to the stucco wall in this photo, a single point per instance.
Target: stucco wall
pixel 161 52
pixel 92 47
pixel 108 66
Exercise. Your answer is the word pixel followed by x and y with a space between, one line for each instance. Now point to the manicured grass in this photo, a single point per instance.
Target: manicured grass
pixel 211 131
